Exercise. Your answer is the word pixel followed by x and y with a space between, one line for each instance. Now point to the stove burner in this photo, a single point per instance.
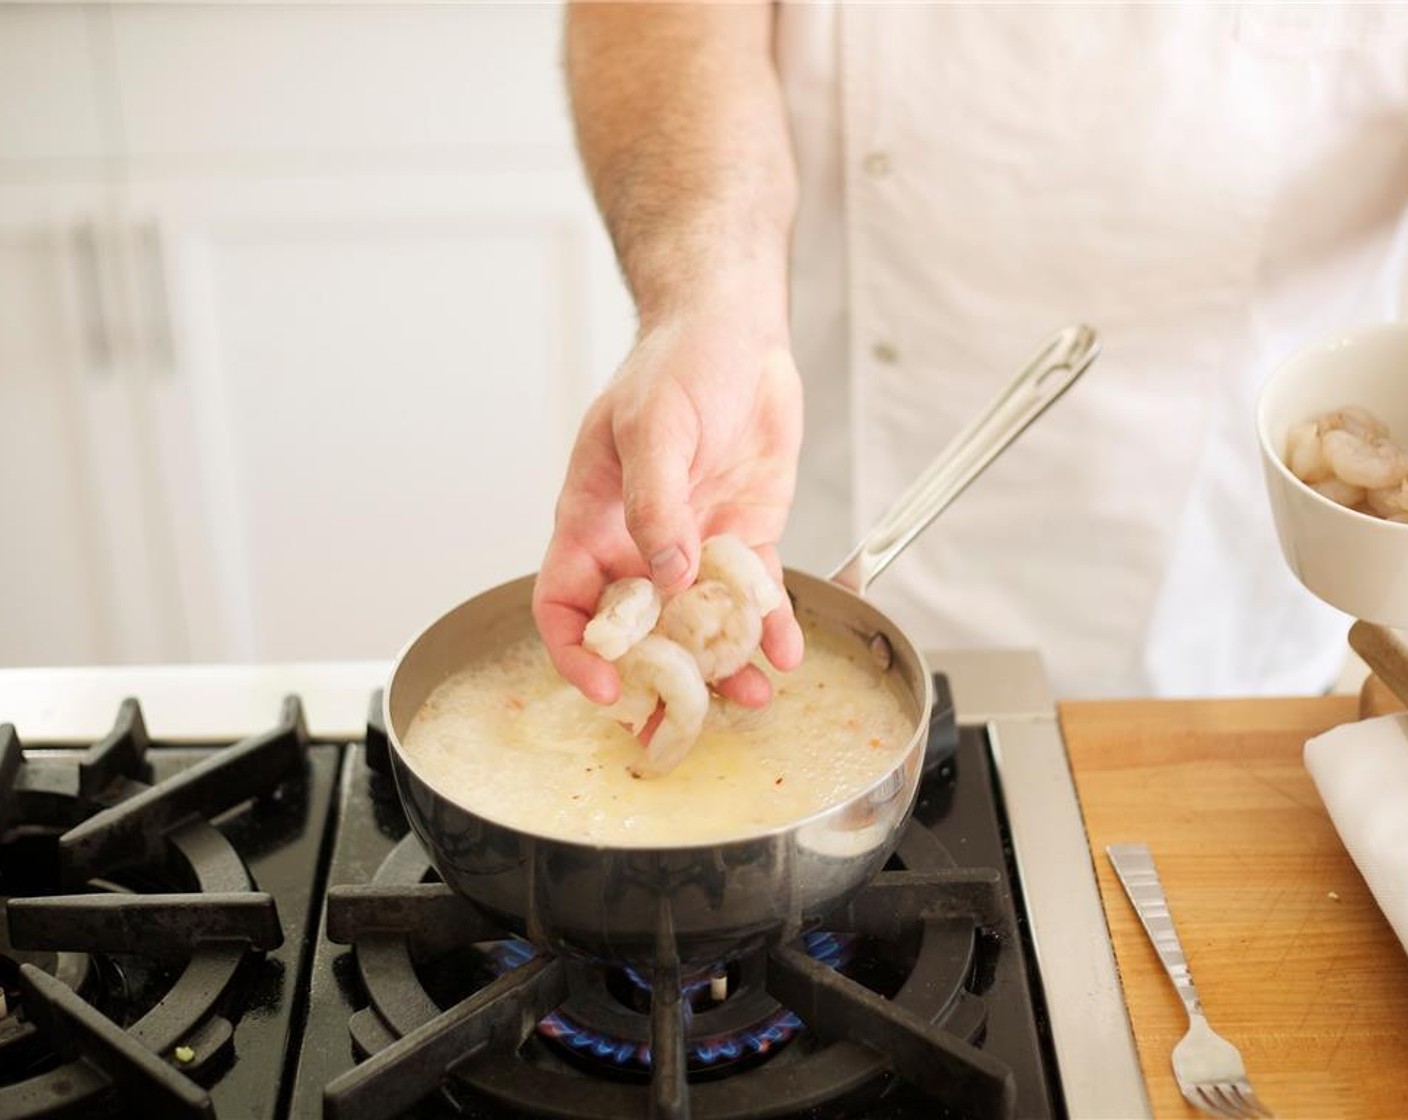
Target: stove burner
pixel 767 1026
pixel 924 1023
pixel 92 826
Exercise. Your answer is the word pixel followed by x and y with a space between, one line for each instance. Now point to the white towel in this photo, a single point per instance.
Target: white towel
pixel 1361 771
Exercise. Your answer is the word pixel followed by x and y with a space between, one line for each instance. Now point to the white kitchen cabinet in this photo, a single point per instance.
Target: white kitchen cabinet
pixel 43 489
pixel 51 114
pixel 358 299
pixel 366 398
pixel 80 568
pixel 83 571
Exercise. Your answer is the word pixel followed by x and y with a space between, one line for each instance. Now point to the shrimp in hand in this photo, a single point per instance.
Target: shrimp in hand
pixel 727 559
pixel 718 628
pixel 668 655
pixel 656 672
pixel 720 618
pixel 626 613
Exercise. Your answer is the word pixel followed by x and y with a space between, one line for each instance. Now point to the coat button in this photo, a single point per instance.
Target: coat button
pixel 885 353
pixel 877 165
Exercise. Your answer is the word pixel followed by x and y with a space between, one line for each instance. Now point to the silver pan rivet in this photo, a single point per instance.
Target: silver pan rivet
pixel 881 651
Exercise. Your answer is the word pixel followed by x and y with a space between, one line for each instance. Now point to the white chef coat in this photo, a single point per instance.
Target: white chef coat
pixel 1209 186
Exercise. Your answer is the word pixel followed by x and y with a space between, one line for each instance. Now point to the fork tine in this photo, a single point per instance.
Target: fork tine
pixel 1227 1093
pixel 1205 1099
pixel 1252 1101
pixel 1193 1097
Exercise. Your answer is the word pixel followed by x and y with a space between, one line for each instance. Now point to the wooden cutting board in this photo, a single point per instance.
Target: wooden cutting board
pixel 1294 961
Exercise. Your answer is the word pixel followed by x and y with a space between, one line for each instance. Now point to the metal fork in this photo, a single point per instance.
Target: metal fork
pixel 1208 1068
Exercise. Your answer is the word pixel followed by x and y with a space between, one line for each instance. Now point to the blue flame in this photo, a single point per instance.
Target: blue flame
pixel 688 989
pixel 508 955
pixel 622 1052
pixel 831 949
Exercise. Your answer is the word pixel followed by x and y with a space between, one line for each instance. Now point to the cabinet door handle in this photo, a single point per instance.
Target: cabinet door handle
pixel 161 346
pixel 92 297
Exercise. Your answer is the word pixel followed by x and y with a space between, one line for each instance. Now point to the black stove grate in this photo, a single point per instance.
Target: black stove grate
pixel 135 829
pixel 123 996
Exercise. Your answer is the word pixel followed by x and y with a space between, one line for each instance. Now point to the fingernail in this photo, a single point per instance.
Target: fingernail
pixel 668 565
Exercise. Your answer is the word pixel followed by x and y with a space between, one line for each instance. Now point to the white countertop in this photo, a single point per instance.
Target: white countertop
pixel 190 703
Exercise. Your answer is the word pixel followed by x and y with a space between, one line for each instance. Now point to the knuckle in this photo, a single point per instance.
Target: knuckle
pixel 644 509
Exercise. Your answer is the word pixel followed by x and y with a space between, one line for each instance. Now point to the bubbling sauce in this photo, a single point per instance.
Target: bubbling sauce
pixel 511 741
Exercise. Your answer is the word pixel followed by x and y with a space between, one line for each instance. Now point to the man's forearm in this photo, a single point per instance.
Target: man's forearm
pixel 681 126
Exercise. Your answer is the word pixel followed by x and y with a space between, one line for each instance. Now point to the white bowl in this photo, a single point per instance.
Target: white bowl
pixel 1354 562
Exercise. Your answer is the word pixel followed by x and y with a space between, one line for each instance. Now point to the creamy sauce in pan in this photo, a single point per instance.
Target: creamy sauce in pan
pixel 509 740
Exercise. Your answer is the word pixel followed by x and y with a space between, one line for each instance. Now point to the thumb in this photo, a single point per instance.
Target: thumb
pixel 655 490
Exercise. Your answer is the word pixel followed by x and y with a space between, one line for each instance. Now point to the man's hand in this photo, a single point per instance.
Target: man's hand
pixel 683 136
pixel 697 435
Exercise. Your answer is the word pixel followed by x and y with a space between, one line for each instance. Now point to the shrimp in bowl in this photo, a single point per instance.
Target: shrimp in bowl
pixel 1349 456
pixel 1332 425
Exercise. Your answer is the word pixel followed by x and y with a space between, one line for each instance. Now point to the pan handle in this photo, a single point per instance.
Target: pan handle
pixel 1066 355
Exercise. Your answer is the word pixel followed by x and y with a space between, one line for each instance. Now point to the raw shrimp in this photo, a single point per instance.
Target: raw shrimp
pixel 1372 462
pixel 720 619
pixel 727 559
pixel 656 671
pixel 1347 456
pixel 1337 490
pixel 670 654
pixel 627 612
pixel 1304 454
pixel 1356 421
pixel 719 628
pixel 1390 501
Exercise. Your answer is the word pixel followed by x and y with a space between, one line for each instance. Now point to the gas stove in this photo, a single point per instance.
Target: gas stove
pixel 214 907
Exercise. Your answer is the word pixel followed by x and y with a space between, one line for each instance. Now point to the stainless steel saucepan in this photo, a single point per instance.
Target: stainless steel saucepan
pixel 707 902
